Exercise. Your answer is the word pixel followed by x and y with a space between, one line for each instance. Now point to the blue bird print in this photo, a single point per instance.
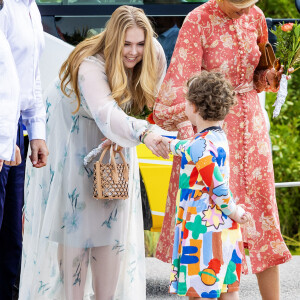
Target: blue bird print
pixel 75 123
pixel 43 287
pixel 74 199
pixel 220 159
pixel 112 217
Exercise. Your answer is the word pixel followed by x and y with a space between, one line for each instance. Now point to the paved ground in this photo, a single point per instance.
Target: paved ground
pixel 158 278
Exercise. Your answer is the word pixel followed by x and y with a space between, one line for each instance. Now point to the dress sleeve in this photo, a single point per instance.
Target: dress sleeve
pixel 203 154
pixel 177 147
pixel 169 109
pixel 113 122
pixel 260 76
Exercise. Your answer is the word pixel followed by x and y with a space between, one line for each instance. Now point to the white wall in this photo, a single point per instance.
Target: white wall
pixel 55 53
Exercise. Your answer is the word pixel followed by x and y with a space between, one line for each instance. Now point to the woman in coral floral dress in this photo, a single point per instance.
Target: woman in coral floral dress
pixel 224 36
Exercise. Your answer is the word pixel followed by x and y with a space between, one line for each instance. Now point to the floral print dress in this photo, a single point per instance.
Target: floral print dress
pixel 210 40
pixel 207 253
pixel 67 232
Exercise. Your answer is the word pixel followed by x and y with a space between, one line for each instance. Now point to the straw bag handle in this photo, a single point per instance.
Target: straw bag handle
pixel 112 157
pixel 113 161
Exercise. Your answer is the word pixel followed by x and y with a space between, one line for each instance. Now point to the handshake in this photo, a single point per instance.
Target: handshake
pixel 159 145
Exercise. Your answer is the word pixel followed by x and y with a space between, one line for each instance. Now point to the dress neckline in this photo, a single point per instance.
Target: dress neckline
pixel 219 10
pixel 211 128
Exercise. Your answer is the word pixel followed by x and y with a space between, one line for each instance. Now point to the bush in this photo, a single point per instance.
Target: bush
pixel 285 137
pixel 278 9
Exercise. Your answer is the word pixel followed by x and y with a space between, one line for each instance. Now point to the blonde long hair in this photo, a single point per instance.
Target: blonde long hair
pixel 142 87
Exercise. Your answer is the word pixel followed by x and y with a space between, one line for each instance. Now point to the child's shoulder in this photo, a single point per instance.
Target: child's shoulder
pixel 208 140
pixel 208 144
pixel 199 146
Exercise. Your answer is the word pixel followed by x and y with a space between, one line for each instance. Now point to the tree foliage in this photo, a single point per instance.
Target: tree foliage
pixel 279 9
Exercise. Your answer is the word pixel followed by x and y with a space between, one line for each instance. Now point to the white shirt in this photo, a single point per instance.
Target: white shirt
pixel 9 101
pixel 20 22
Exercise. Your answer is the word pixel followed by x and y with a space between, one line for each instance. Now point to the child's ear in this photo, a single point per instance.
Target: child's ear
pixel 195 110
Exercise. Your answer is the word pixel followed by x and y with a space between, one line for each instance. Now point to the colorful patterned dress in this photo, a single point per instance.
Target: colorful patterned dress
pixel 210 40
pixel 207 253
pixel 72 241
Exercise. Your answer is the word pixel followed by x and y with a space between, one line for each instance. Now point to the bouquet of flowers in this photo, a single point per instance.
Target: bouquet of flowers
pixel 146 114
pixel 288 50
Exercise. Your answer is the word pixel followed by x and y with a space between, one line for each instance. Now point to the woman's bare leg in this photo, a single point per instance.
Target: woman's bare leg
pixel 73 267
pixel 268 282
pixel 105 265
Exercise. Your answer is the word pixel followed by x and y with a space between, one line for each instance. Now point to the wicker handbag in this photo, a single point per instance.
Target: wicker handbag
pixel 111 179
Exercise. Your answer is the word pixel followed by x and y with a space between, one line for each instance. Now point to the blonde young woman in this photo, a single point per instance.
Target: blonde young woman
pixel 223 36
pixel 67 232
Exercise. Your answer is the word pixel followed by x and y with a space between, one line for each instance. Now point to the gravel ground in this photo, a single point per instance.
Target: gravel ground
pixel 158 279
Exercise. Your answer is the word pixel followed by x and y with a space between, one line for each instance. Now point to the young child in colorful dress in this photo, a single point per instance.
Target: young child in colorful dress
pixel 207 253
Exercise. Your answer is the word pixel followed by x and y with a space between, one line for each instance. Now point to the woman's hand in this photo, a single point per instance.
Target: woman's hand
pixel 290 71
pixel 273 76
pixel 154 143
pixel 108 143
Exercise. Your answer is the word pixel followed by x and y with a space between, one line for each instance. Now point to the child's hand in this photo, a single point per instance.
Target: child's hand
pixel 239 215
pixel 166 142
pixel 153 142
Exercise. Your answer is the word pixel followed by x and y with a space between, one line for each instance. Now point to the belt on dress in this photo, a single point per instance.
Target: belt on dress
pixel 244 87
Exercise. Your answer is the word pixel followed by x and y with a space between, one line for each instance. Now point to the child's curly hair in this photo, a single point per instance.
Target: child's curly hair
pixel 212 94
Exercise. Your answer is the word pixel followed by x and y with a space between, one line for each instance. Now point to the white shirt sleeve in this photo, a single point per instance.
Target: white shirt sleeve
pixel 21 24
pixel 34 118
pixel 3 22
pixel 9 101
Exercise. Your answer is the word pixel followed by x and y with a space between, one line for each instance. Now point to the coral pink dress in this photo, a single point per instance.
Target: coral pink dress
pixel 210 40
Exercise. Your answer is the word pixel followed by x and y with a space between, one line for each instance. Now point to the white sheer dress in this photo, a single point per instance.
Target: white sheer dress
pixel 74 245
